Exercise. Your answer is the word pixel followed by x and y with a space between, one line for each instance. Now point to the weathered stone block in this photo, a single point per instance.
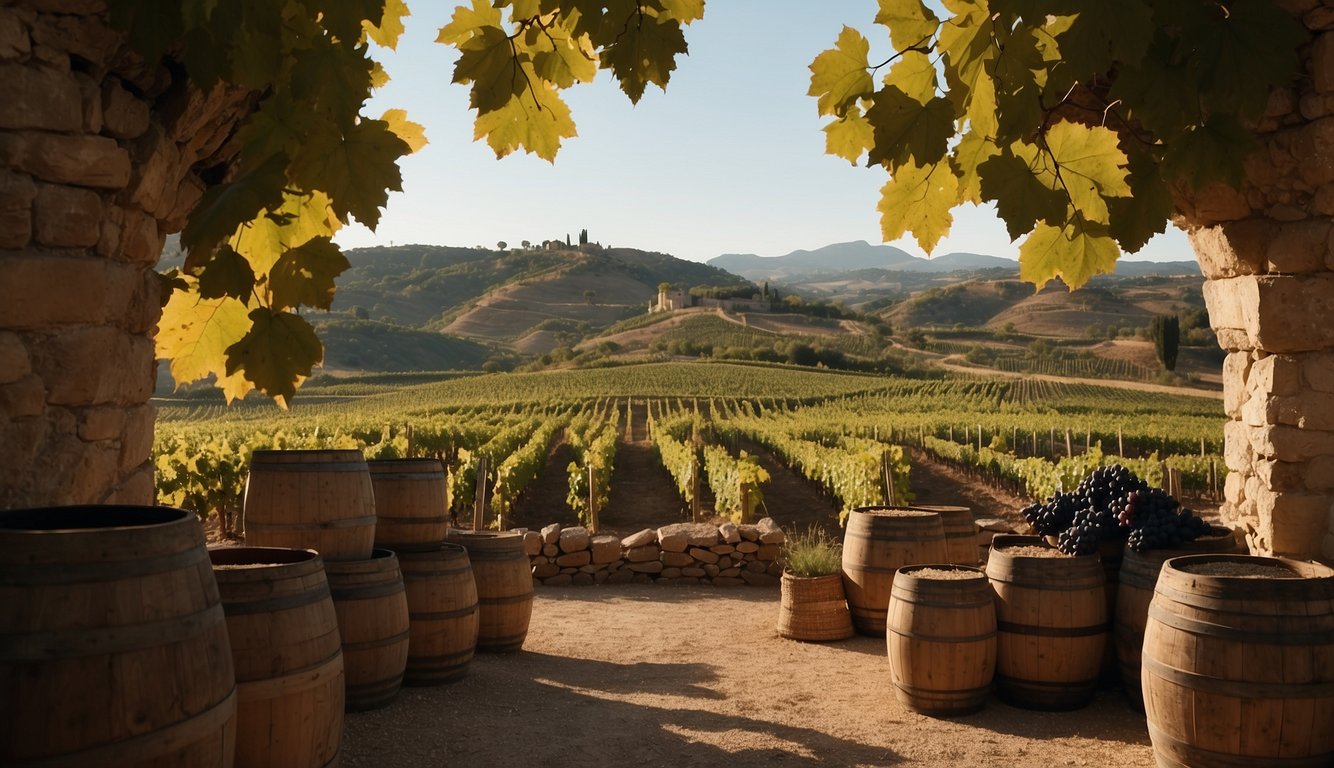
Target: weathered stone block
pixel 672 540
pixel 624 576
pixel 770 533
pixel 605 549
pixel 1301 246
pixel 593 568
pixel 726 562
pixel 40 98
pixel 551 533
pixel 550 550
pixel 90 98
pixel 135 489
pixel 1294 523
pixel 703 555
pixel 137 437
pixel 747 547
pixel 768 552
pixel 1291 443
pixel 729 533
pixel 574 559
pixel 1236 367
pixel 643 554
pixel 17 191
pixel 648 566
pixel 1318 474
pixel 84 35
pixel 86 161
pixel 643 538
pixel 1276 375
pixel 1281 475
pixel 39 290
pixel 532 543
pixel 156 173
pixel 140 239
pixel 1322 63
pixel 722 549
pixel 67 217
pixel 582 580
pixel 1234 487
pixel 14 363
pixel 123 116
pixel 14 41
pixel 668 572
pixel 21 398
pixel 559 580
pixel 573 539
pixel 710 570
pixel 694 535
pixel 1260 410
pixel 545 570
pixel 1318 371
pixel 693 573
pixel 104 423
pixel 95 365
pixel 749 532
pixel 756 566
pixel 677 559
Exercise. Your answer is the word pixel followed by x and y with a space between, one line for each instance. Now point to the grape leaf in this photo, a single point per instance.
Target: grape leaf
pixel 915 75
pixel 910 22
pixel 194 334
pixel 1021 198
pixel 227 274
pixel 1074 253
pixel 966 42
pixel 644 53
pixel 1144 212
pixel 390 28
pixel 840 75
pixel 522 9
pixel 301 217
pixel 1241 51
pixel 487 61
pixel 918 199
pixel 562 60
pixel 152 26
pixel 412 134
pixel 279 126
pixel 684 11
pixel 849 136
pixel 344 18
pixel 276 354
pixel 223 207
pixel 971 151
pixel 334 79
pixel 304 275
pixel 1102 33
pixel 537 121
pixel 1091 165
pixel 905 127
pixel 466 22
pixel 257 50
pixel 357 171
pixel 1158 91
pixel 1211 152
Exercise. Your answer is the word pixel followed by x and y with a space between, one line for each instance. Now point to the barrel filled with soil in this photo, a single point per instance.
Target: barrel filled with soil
pixel 443 615
pixel 287 654
pixel 316 499
pixel 372 608
pixel 504 581
pixel 1238 663
pixel 941 638
pixel 1051 620
pixel 411 512
pixel 112 625
pixel 877 542
pixel 1139 574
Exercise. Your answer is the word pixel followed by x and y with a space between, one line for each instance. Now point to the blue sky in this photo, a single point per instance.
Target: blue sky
pixel 729 160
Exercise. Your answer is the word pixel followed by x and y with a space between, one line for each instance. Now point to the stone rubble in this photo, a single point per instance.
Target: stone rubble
pixel 683 553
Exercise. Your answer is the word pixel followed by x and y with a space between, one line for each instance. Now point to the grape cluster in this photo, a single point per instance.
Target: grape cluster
pixel 1112 503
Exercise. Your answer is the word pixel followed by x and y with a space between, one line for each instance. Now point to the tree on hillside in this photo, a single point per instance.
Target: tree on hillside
pixel 589 296
pixel 1165 330
pixel 502 245
pixel 583 237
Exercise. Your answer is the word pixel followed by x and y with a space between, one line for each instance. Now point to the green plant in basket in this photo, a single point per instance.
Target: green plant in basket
pixel 813 552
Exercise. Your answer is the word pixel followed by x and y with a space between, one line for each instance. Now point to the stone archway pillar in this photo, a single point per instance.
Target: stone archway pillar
pixel 1267 254
pixel 98 160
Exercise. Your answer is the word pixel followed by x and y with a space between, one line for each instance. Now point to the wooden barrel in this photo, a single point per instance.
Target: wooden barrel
pixel 504 581
pixel 1051 620
pixel 285 646
pixel 960 533
pixel 941 638
pixel 879 541
pixel 320 500
pixel 442 614
pixel 113 645
pixel 1111 552
pixel 1238 664
pixel 372 609
pixel 813 608
pixel 1139 573
pixel 411 513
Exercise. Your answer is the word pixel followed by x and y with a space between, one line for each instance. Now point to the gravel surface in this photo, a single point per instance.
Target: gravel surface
pixel 648 675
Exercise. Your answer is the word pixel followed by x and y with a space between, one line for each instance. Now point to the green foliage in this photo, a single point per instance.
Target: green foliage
pixel 813 552
pixel 1166 333
pixel 1074 118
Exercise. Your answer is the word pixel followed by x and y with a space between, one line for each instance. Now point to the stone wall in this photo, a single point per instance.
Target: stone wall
pixel 100 156
pixel 1267 254
pixel 684 553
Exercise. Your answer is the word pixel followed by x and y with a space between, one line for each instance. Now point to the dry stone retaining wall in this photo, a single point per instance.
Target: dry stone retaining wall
pixel 1267 253
pixel 684 553
pixel 100 156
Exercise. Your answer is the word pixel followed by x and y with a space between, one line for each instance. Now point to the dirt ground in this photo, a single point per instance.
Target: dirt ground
pixel 646 675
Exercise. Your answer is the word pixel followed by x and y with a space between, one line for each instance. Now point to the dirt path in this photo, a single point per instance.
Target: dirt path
pixel 939 484
pixel 643 494
pixel 679 677
pixel 543 501
pixel 791 500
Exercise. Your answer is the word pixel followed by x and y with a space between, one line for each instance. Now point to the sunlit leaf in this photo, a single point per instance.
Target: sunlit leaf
pixel 390 28
pixel 906 128
pixel 467 21
pixel 304 275
pixel 645 53
pixel 849 137
pixel 223 207
pixel 910 22
pixel 412 134
pixel 276 354
pixel 1092 165
pixel 1073 253
pixel 357 171
pixel 840 75
pixel 918 200
pixel 971 151
pixel 536 121
pixel 915 75
pixel 194 334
